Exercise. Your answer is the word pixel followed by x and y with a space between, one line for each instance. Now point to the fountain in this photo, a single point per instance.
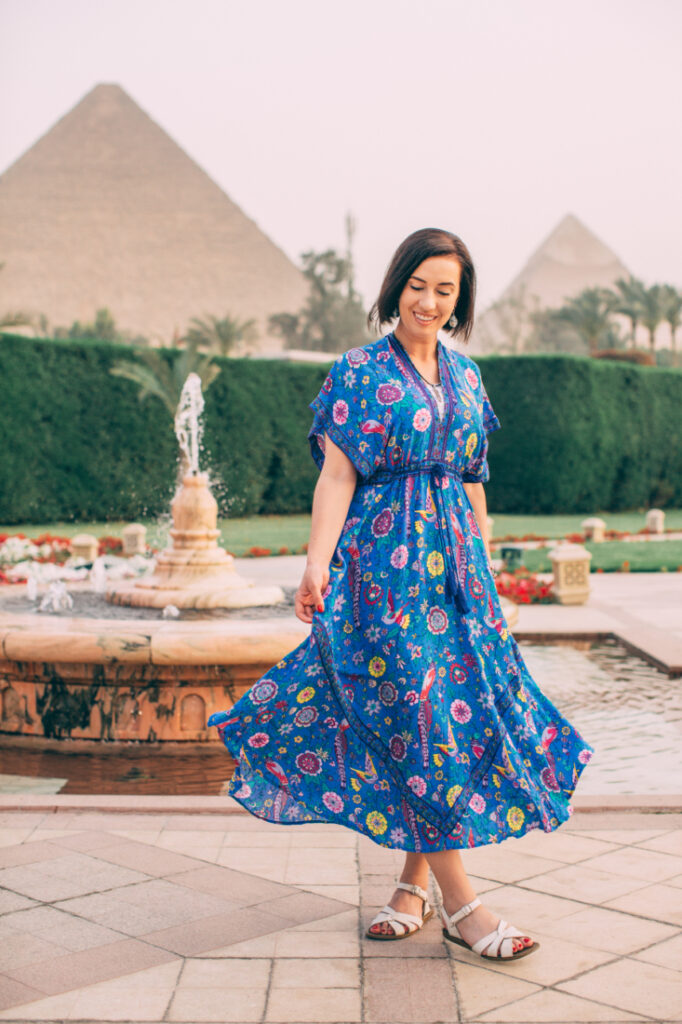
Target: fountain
pixel 194 572
pixel 136 679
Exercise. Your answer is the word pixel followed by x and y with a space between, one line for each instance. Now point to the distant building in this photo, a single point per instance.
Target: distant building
pixel 106 210
pixel 570 259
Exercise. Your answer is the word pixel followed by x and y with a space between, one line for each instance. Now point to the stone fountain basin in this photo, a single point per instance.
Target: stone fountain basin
pixel 133 680
pixel 130 679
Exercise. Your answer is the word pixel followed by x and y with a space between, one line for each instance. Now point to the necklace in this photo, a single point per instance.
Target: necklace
pixel 431 383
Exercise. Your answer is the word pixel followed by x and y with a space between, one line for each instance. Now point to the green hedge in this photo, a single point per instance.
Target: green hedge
pixel 577 435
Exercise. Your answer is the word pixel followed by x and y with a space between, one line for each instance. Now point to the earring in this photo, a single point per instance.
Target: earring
pixel 452 322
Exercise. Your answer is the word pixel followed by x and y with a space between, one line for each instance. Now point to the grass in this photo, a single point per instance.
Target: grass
pixel 275 532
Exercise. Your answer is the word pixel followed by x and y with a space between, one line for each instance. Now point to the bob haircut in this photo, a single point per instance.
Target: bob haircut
pixel 416 248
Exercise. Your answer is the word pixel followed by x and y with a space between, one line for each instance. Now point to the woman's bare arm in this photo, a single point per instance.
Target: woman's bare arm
pixel 331 500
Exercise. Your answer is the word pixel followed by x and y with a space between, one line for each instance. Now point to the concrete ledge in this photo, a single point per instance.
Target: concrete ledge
pixel 658 803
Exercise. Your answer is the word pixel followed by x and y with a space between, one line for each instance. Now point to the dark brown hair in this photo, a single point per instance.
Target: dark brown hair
pixel 416 248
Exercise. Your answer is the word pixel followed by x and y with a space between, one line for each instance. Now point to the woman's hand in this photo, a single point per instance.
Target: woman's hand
pixel 308 597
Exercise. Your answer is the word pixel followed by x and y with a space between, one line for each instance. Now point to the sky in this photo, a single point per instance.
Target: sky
pixel 492 118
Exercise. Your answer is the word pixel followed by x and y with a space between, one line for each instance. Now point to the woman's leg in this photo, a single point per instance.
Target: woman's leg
pixel 416 872
pixel 456 890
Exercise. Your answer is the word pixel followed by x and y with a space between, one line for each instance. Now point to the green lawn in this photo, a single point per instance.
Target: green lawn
pixel 275 532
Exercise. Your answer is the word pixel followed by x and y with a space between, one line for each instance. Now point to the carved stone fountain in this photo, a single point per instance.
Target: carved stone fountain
pixel 194 572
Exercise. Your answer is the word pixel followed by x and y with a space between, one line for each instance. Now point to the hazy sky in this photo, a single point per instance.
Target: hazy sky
pixel 492 118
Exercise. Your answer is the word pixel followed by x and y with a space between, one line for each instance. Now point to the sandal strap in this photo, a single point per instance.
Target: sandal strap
pixel 462 912
pixel 387 913
pixel 498 943
pixel 416 890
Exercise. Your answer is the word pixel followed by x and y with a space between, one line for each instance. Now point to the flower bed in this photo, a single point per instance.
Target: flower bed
pixel 524 587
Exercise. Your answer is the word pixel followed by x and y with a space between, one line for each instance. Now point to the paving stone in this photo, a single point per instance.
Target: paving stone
pixel 344 893
pixel 666 954
pixel 315 973
pixel 610 930
pixel 236 886
pixel 255 861
pixel 13 993
pixel 669 842
pixel 11 901
pixel 527 908
pixel 555 960
pixel 634 862
pixel 568 847
pixel 221 973
pixel 480 990
pixel 409 990
pixel 21 950
pixel 28 853
pixel 302 906
pixel 660 902
pixel 587 884
pixel 211 933
pixel 294 943
pixel 222 1005
pixel 29 880
pixel 263 947
pixel 550 1007
pixel 148 859
pixel 346 922
pixel 628 836
pixel 504 864
pixel 52 924
pixel 314 1006
pixel 143 996
pixel 632 985
pixel 75 970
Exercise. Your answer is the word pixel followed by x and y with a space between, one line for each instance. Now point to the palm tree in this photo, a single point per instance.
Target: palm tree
pixel 628 299
pixel 588 314
pixel 154 376
pixel 672 312
pixel 653 310
pixel 220 335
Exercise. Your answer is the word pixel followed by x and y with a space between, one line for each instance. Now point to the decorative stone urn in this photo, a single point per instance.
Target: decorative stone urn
pixel 194 572
pixel 134 539
pixel 594 529
pixel 84 545
pixel 571 568
pixel 655 518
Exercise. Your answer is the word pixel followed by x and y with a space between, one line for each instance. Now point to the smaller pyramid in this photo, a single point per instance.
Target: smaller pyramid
pixel 569 259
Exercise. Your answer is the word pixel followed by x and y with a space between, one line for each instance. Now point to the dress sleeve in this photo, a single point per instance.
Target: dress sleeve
pixel 477 469
pixel 347 411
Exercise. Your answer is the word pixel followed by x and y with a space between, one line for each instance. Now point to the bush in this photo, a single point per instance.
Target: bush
pixel 578 435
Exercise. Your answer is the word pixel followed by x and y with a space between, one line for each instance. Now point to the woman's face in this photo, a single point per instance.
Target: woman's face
pixel 430 295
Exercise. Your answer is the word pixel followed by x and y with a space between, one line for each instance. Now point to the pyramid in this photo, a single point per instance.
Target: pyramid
pixel 570 259
pixel 106 210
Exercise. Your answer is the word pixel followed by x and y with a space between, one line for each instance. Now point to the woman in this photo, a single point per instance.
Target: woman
pixel 409 714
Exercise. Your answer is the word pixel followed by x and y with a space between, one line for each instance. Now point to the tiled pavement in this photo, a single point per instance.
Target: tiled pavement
pixel 220 917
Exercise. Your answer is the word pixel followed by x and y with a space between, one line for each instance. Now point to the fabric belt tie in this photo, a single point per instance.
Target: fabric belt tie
pixel 437 472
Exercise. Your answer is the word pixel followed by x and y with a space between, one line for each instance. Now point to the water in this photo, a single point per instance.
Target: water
pixel 629 711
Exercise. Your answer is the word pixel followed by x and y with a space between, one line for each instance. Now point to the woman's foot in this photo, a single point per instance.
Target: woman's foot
pixel 481 921
pixel 405 903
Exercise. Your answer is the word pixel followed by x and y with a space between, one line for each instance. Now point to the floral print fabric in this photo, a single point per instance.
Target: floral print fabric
pixel 409 713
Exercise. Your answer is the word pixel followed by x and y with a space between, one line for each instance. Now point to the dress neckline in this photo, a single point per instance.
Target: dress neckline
pixel 420 377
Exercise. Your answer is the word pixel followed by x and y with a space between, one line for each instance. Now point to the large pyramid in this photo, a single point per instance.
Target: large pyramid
pixel 569 259
pixel 107 210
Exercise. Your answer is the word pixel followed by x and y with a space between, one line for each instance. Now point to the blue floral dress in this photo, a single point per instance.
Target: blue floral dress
pixel 409 713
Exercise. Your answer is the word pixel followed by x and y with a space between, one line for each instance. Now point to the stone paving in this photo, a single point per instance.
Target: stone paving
pixel 197 917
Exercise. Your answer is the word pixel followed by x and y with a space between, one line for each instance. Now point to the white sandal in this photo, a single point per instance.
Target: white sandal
pixel 409 923
pixel 500 940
